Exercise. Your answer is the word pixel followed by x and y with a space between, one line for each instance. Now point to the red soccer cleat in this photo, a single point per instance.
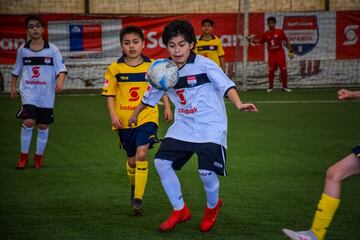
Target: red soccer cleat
pixel 38 161
pixel 209 217
pixel 24 158
pixel 175 218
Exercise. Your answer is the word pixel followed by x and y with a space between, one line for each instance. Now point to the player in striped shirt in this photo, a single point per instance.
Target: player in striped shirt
pixel 124 87
pixel 210 45
pixel 42 72
pixel 200 124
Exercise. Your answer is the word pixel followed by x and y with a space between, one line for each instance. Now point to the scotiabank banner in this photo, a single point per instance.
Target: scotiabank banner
pixel 348 35
pixel 315 35
pixel 96 38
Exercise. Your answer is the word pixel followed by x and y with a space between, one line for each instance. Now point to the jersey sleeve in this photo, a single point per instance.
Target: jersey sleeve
pixel 152 96
pixel 18 64
pixel 219 78
pixel 220 50
pixel 58 62
pixel 110 82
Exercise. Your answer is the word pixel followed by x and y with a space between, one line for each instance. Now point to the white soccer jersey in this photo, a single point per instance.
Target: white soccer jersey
pixel 38 70
pixel 200 113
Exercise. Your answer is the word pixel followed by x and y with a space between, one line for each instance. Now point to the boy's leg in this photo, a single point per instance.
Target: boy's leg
pixel 130 167
pixel 141 171
pixel 172 188
pixel 330 199
pixel 42 139
pixel 281 60
pixel 271 69
pixel 25 141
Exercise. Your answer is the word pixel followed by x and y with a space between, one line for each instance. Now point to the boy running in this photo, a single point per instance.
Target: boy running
pixel 124 86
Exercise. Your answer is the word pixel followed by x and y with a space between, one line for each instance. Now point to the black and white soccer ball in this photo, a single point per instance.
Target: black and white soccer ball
pixel 163 74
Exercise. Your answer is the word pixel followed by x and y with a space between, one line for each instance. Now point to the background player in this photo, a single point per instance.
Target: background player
pixel 43 72
pixel 274 37
pixel 124 86
pixel 200 124
pixel 210 45
pixel 330 199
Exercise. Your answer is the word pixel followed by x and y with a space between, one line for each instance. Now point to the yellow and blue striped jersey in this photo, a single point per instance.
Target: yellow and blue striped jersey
pixel 127 84
pixel 210 48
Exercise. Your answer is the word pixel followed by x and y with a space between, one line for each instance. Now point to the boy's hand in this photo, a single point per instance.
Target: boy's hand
pixel 168 115
pixel 344 94
pixel 132 121
pixel 116 122
pixel 59 85
pixel 247 107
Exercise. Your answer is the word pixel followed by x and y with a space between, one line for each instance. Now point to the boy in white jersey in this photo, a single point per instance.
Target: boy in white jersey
pixel 200 124
pixel 42 73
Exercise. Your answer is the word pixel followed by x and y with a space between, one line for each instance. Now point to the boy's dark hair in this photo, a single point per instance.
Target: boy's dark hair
pixel 179 27
pixel 207 20
pixel 271 19
pixel 131 29
pixel 33 17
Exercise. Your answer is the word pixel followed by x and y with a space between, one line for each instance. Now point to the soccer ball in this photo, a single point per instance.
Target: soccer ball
pixel 163 74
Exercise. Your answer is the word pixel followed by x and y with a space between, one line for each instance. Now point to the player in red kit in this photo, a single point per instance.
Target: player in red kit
pixel 274 38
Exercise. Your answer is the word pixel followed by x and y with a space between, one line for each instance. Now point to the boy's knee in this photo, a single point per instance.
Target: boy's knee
pixel 333 174
pixel 29 123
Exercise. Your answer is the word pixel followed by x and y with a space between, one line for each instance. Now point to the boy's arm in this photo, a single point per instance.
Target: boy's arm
pixel 222 62
pixel 345 94
pixel 167 109
pixel 111 109
pixel 60 82
pixel 13 86
pixel 235 99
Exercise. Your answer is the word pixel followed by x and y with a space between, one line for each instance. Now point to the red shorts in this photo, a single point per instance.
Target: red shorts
pixel 277 59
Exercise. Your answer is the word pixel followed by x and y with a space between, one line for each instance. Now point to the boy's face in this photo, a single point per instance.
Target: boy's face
pixel 35 29
pixel 179 49
pixel 132 45
pixel 206 28
pixel 271 24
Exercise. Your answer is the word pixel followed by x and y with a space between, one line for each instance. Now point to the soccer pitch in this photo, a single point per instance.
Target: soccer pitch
pixel 276 162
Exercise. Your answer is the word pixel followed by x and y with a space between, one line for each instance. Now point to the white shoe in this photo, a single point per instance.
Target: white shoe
pixel 304 235
pixel 269 90
pixel 287 90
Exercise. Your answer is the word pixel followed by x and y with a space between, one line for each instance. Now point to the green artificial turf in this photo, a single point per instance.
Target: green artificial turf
pixel 276 162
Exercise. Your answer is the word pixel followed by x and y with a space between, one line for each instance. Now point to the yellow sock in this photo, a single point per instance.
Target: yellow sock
pixel 141 175
pixel 324 214
pixel 131 174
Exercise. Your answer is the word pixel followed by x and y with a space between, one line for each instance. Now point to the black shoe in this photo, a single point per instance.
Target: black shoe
pixel 137 207
pixel 132 194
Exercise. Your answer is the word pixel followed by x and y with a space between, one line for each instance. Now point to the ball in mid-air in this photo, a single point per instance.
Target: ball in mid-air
pixel 163 74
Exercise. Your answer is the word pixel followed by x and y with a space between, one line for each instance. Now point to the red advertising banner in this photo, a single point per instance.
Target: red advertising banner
pixel 348 35
pixel 12 33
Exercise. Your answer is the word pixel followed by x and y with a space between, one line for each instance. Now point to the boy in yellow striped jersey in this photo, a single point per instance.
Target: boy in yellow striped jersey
pixel 124 87
pixel 210 45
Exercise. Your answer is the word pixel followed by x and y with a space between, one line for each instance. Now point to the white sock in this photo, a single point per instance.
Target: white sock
pixel 42 138
pixel 211 186
pixel 170 183
pixel 25 138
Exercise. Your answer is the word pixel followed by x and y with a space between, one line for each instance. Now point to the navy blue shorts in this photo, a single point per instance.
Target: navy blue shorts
pixel 211 156
pixel 132 138
pixel 356 151
pixel 41 115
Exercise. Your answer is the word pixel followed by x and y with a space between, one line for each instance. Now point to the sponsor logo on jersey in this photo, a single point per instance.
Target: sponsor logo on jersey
pixel 191 80
pixel 134 94
pixel 35 82
pixel 187 111
pixel 303 33
pixel 106 82
pixel 35 72
pixel 127 107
